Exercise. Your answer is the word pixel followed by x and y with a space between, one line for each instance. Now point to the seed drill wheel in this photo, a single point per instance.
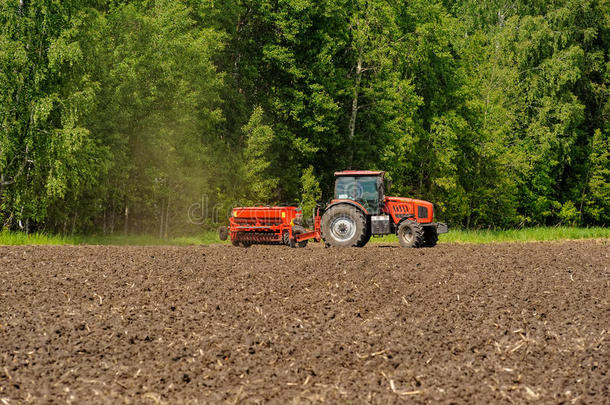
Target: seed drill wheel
pixel 410 234
pixel 344 226
pixel 223 233
pixel 297 230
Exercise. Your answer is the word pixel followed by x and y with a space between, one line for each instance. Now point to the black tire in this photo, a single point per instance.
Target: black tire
pixel 297 230
pixel 430 236
pixel 344 226
pixel 410 234
pixel 366 239
pixel 223 233
pixel 286 238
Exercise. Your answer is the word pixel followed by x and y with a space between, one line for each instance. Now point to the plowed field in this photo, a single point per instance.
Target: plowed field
pixel 456 323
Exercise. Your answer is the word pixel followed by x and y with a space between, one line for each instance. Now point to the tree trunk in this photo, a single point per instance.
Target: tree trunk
pixel 166 217
pixel 584 191
pixel 161 220
pixel 352 119
pixel 126 219
pixel 73 224
pixel 112 217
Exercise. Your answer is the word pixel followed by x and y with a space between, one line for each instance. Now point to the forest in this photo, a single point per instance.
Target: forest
pixel 157 116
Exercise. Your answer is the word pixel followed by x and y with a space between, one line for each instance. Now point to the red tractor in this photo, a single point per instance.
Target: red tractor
pixel 359 210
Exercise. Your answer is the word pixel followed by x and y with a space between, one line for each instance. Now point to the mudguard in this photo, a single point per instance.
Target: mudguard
pixel 350 202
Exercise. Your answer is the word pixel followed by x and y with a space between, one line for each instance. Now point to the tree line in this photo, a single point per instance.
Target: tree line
pixel 117 116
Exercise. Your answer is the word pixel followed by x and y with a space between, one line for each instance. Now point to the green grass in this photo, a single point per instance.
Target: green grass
pixel 514 235
pixel 458 236
pixel 20 238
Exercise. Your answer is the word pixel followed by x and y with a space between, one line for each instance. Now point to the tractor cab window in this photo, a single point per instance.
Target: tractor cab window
pixel 362 189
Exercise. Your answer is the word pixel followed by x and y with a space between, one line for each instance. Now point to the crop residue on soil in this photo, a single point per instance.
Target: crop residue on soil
pixel 464 323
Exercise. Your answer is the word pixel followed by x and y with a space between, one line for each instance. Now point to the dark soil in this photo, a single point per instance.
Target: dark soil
pixel 456 323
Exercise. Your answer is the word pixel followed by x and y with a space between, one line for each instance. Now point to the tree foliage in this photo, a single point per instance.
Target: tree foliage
pixel 260 182
pixel 310 191
pixel 118 116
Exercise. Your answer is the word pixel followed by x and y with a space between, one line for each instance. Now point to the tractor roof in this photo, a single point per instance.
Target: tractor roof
pixel 358 173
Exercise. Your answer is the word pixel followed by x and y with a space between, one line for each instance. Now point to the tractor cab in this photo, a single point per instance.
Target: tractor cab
pixel 362 186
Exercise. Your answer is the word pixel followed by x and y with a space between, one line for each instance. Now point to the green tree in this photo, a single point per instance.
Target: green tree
pixel 159 109
pixel 121 115
pixel 47 157
pixel 261 184
pixel 310 192
pixel 596 198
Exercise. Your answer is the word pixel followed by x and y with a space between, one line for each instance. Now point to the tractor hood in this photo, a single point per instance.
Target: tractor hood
pixel 422 210
pixel 408 200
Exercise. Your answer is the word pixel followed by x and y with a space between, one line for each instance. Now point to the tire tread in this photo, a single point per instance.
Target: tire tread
pixel 418 230
pixel 360 241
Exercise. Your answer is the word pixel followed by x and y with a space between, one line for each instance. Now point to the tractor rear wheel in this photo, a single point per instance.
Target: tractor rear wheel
pixel 430 236
pixel 410 234
pixel 297 230
pixel 344 226
pixel 366 239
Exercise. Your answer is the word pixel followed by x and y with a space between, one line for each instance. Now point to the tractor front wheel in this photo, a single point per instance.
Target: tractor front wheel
pixel 344 226
pixel 410 234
